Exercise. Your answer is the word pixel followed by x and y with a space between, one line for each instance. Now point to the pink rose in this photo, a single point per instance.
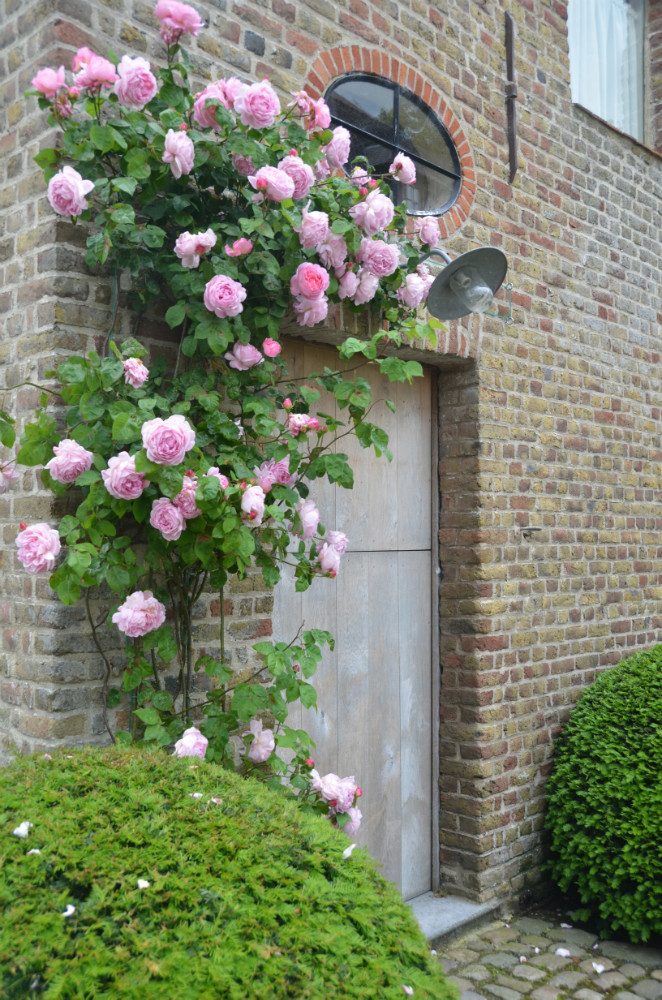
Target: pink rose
pixel 233 88
pixel 271 347
pixel 348 285
pixel 301 174
pixel 258 105
pixel 71 459
pixel 67 190
pixel 378 257
pixel 243 165
pixel 320 116
pixel 329 558
pixel 205 115
pixel 403 169
pixel 177 19
pixel 338 541
pixel 185 499
pixel 95 71
pixel 263 743
pixel 37 548
pixel 367 287
pixel 359 177
pixel 136 85
pixel 332 249
pixel 271 472
pixel 135 372
pixel 309 280
pixel 374 213
pixel 48 81
pixel 215 471
pixel 355 816
pixel 302 102
pixel 179 152
pixel 252 504
pixel 329 786
pixel 167 441
pixel 192 744
pixel 141 613
pixel 167 518
pixel 224 296
pixel 310 519
pixel 239 248
pixel 314 228
pixel 337 150
pixel 414 290
pixel 272 183
pixel 243 356
pixel 428 230
pixel 311 311
pixel 299 423
pixel 8 474
pixel 189 247
pixel 322 170
pixel 121 479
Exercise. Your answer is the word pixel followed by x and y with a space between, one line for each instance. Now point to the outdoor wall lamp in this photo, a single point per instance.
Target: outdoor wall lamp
pixel 467 284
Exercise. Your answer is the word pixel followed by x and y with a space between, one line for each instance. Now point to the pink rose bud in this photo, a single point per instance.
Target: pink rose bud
pixel 183 127
pixel 22 525
pixel 271 347
pixel 287 404
pixel 309 762
pixel 73 92
pixel 296 667
pixel 239 248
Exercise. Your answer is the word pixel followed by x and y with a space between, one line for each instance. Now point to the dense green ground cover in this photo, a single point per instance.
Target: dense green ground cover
pixel 604 801
pixel 249 895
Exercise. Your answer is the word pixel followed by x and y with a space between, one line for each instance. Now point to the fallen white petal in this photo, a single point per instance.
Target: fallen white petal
pixel 566 927
pixel 22 830
pixel 598 968
pixel 432 951
pixel 216 801
pixel 409 990
pixel 35 850
pixel 563 952
pixel 347 853
pixel 69 911
pixel 537 951
pixel 143 883
pixel 522 958
pixel 195 795
pixel 46 756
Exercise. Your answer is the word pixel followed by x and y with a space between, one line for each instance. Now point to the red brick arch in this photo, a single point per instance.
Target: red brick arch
pixel 357 59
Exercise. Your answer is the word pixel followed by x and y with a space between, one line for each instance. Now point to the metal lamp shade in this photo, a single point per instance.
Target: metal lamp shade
pixel 487 264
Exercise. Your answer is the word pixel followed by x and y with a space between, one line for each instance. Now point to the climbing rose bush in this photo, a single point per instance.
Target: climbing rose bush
pixel 234 208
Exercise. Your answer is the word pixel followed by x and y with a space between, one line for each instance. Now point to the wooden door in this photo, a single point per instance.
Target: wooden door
pixel 374 691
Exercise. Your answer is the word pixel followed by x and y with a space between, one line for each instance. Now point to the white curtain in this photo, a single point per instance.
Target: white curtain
pixel 606 60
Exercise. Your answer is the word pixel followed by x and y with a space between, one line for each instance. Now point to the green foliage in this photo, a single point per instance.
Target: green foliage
pixel 604 801
pixel 248 895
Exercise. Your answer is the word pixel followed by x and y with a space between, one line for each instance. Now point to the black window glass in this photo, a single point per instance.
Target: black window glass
pixel 382 119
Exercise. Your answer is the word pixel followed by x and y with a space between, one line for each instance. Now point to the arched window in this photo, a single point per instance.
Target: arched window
pixel 384 118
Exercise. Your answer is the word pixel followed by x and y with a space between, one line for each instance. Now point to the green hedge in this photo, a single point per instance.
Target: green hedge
pixel 604 801
pixel 248 896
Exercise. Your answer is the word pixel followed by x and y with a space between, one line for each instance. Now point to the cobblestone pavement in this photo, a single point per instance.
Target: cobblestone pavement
pixel 541 960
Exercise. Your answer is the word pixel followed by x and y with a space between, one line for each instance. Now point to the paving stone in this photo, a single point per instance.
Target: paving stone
pixel 545 993
pixel 612 980
pixel 632 970
pixel 606 963
pixel 657 974
pixel 530 925
pixel 528 972
pixel 588 995
pixel 651 989
pixel 462 984
pixel 518 985
pixel 448 965
pixel 568 979
pixel 500 935
pixel 471 995
pixel 501 960
pixel 625 995
pixel 477 973
pixel 501 992
pixel 621 951
pixel 550 962
pixel 463 956
pixel 536 941
pixel 583 939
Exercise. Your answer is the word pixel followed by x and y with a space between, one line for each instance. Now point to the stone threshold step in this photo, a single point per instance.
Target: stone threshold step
pixel 444 917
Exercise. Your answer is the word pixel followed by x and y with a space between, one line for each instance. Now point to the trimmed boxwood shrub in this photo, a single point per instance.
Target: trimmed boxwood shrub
pixel 604 801
pixel 249 894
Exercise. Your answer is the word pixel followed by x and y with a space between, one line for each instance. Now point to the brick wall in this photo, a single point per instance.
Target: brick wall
pixel 549 437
